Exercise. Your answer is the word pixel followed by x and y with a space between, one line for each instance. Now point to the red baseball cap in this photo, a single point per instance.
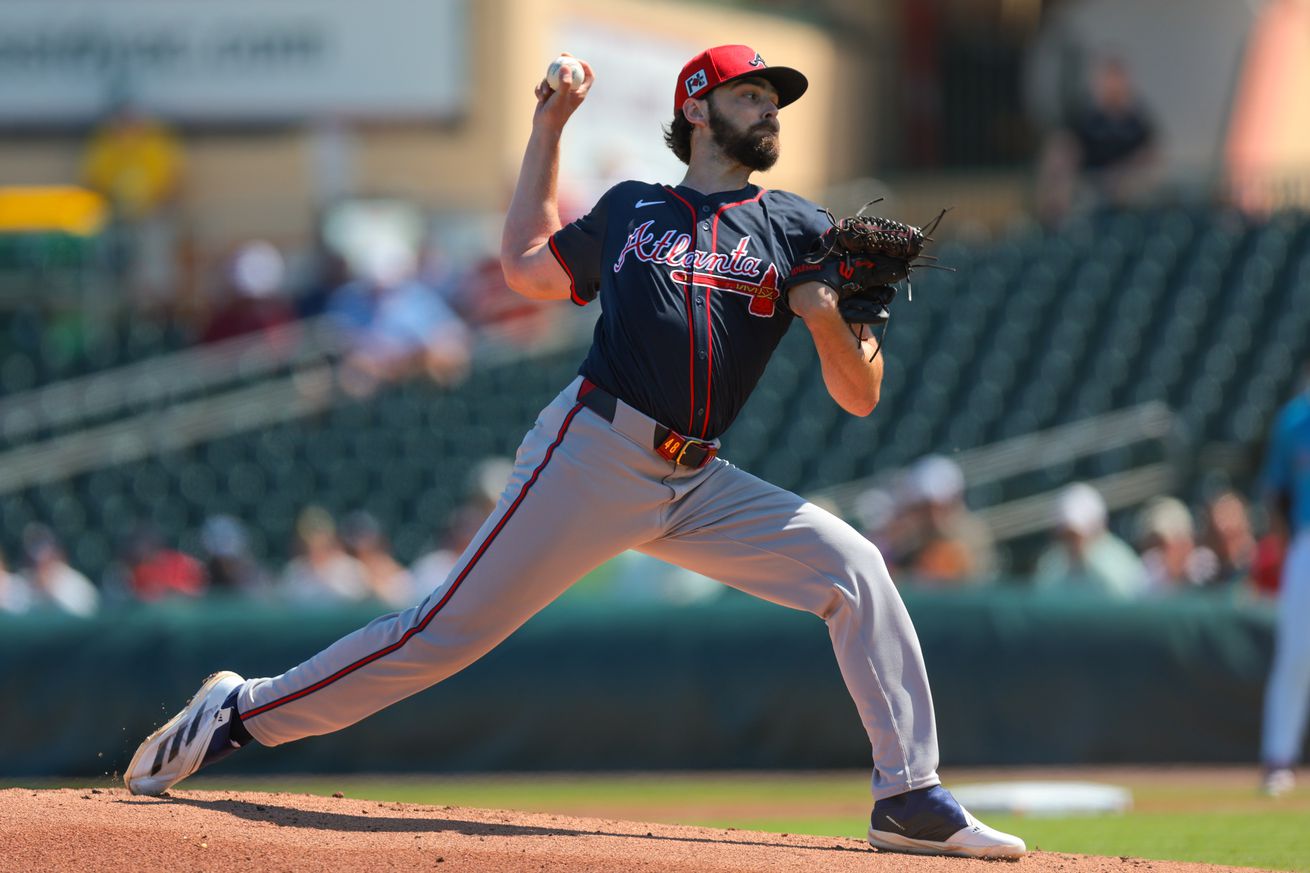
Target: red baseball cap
pixel 712 67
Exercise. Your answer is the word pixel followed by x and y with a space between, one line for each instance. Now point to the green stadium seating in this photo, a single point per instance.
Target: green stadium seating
pixel 1205 310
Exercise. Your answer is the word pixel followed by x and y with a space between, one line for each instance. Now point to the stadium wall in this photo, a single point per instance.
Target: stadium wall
pixel 1017 679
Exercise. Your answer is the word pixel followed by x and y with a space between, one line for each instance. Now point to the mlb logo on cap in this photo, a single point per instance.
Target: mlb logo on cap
pixel 713 67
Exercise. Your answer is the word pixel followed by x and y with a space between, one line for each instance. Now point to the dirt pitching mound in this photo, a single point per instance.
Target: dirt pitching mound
pixel 96 829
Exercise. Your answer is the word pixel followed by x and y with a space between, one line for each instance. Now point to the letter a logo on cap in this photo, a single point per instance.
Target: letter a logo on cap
pixel 696 82
pixel 724 63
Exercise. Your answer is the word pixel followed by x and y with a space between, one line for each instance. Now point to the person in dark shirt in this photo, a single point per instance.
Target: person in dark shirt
pixel 1114 133
pixel 1106 154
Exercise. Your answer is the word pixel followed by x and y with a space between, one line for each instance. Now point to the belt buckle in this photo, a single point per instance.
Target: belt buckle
pixel 682 452
pixel 675 446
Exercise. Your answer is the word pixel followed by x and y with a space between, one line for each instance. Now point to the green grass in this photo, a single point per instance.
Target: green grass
pixel 1206 816
pixel 1276 839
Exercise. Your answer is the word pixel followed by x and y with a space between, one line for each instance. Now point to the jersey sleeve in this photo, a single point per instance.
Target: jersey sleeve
pixel 577 246
pixel 1277 475
pixel 806 222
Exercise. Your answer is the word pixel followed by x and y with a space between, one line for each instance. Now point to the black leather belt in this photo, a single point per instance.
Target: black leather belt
pixel 668 443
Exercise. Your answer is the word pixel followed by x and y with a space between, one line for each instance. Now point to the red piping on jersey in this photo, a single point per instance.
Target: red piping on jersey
pixel 573 285
pixel 709 355
pixel 714 249
pixel 687 291
pixel 431 613
pixel 691 321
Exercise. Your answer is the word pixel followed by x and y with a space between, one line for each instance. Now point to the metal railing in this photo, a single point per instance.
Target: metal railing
pixel 1057 446
pixel 165 378
pixel 188 397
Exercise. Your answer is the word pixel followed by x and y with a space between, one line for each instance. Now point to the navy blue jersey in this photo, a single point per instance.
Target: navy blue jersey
pixel 688 286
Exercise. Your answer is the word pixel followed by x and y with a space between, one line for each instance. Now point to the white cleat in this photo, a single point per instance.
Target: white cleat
pixel 1278 781
pixel 932 822
pixel 183 745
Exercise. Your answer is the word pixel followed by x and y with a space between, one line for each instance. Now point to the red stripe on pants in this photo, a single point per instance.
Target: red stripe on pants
pixel 431 613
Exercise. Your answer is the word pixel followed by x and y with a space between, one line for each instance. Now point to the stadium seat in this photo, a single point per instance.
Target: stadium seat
pixel 1202 309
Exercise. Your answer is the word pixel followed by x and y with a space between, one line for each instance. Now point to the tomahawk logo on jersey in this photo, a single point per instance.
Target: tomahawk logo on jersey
pixel 680 275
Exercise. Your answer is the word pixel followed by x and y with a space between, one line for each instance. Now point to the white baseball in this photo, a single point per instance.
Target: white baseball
pixel 553 72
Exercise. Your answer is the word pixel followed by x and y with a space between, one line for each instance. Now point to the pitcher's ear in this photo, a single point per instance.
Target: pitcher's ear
pixel 696 111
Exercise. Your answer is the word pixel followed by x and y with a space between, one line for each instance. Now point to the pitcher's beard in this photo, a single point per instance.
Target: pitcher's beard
pixel 756 148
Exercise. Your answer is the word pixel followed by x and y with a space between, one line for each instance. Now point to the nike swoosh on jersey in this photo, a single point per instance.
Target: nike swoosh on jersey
pixel 641 203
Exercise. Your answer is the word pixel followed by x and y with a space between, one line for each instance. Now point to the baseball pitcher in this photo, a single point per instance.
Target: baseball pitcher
pixel 697 283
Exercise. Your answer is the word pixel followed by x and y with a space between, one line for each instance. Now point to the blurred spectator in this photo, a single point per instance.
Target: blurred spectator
pixel 483 298
pixel 638 578
pixel 252 295
pixel 322 573
pixel 1267 565
pixel 15 593
pixel 154 571
pixel 1166 538
pixel 485 484
pixel 1085 555
pixel 435 269
pixel 53 582
pixel 432 568
pixel 396 325
pixel 386 578
pixel 947 544
pixel 135 161
pixel 1105 155
pixel 228 562
pixel 1228 536
pixel 321 271
pixel 875 513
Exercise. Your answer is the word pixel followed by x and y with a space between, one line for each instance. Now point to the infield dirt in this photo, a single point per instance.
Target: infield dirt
pixel 107 829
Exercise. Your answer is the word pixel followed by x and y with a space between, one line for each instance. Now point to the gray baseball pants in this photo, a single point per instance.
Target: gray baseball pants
pixel 1287 694
pixel 584 490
